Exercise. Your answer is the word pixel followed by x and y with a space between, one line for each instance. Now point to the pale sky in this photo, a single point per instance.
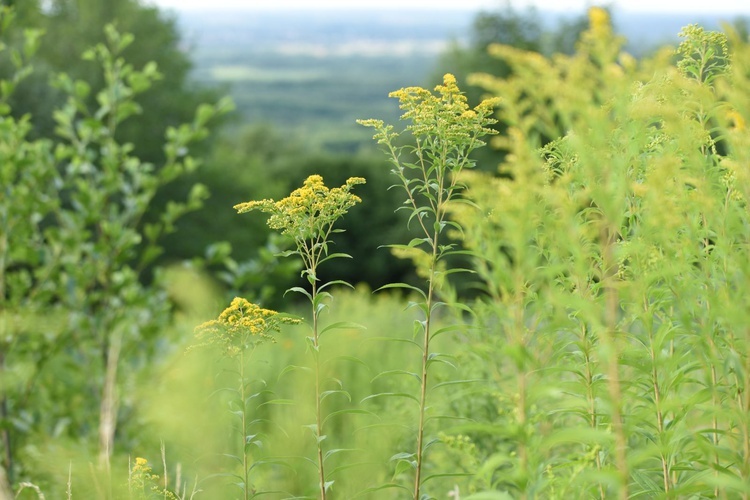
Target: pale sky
pixel 716 6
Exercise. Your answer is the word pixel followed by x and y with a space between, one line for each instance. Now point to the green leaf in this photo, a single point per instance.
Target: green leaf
pixel 233 457
pixel 349 411
pixel 301 290
pixel 448 329
pixel 325 394
pixel 286 253
pixel 489 495
pixel 402 285
pixel 335 256
pixel 278 402
pixel 393 339
pixel 404 466
pixel 382 487
pixel 396 372
pixel 390 395
pixel 335 282
pixel 291 368
pixel 353 359
pixel 437 357
pixel 456 382
pixel 446 474
pixel 346 466
pixel 342 325
pixel 330 453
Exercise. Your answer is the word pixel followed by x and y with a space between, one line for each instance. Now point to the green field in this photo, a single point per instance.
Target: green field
pixel 569 320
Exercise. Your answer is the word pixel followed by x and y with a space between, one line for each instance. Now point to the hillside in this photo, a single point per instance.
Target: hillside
pixel 313 73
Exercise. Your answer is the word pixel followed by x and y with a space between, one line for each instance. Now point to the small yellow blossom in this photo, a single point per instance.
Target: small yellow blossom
pixel 310 211
pixel 447 111
pixel 240 326
pixel 599 21
pixel 736 119
pixel 142 483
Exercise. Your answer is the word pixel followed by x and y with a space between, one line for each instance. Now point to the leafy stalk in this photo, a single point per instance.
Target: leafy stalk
pixel 237 331
pixel 609 339
pixel 308 216
pixel 445 131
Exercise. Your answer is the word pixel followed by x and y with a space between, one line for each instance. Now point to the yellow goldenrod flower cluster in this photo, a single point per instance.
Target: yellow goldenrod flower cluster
pixel 142 483
pixel 599 22
pixel 736 120
pixel 704 55
pixel 445 114
pixel 240 326
pixel 140 475
pixel 308 212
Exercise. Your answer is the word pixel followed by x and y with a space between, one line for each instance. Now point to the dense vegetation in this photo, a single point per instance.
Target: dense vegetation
pixel 603 351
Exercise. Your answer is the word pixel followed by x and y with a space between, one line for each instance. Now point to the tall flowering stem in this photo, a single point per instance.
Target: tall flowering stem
pixel 445 130
pixel 308 216
pixel 236 332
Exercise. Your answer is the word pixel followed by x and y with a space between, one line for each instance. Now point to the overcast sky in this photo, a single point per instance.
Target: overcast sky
pixel 717 6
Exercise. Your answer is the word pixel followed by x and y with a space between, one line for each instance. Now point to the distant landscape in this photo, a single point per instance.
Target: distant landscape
pixel 313 73
pixel 560 315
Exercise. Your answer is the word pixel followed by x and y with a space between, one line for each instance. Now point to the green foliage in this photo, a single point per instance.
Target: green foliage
pixel 259 162
pixel 605 356
pixel 445 131
pixel 72 252
pixel 608 258
pixel 307 216
pixel 524 30
pixel 171 100
pixel 237 331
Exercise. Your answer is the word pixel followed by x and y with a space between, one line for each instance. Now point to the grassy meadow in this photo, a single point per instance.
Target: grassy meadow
pixel 575 325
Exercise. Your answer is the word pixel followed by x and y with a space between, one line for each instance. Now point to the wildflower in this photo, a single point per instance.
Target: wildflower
pixel 736 119
pixel 142 483
pixel 599 21
pixel 309 213
pixel 704 55
pixel 241 325
pixel 445 114
pixel 140 475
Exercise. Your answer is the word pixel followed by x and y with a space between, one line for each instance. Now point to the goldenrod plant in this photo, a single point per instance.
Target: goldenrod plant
pixel 614 324
pixel 445 132
pixel 144 484
pixel 236 332
pixel 308 216
pixel 603 352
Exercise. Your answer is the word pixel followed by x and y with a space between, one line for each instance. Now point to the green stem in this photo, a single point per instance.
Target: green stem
pixel 243 433
pixel 613 369
pixel 5 437
pixel 425 359
pixel 659 414
pixel 746 435
pixel 594 424
pixel 318 419
pixel 7 450
pixel 518 331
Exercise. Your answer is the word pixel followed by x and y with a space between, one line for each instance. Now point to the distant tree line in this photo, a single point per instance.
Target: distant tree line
pixel 251 162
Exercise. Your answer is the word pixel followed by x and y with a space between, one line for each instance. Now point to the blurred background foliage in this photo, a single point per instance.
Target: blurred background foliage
pixel 55 366
pixel 249 157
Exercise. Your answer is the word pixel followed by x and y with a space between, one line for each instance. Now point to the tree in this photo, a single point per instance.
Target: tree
pixel 73 247
pixel 171 100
